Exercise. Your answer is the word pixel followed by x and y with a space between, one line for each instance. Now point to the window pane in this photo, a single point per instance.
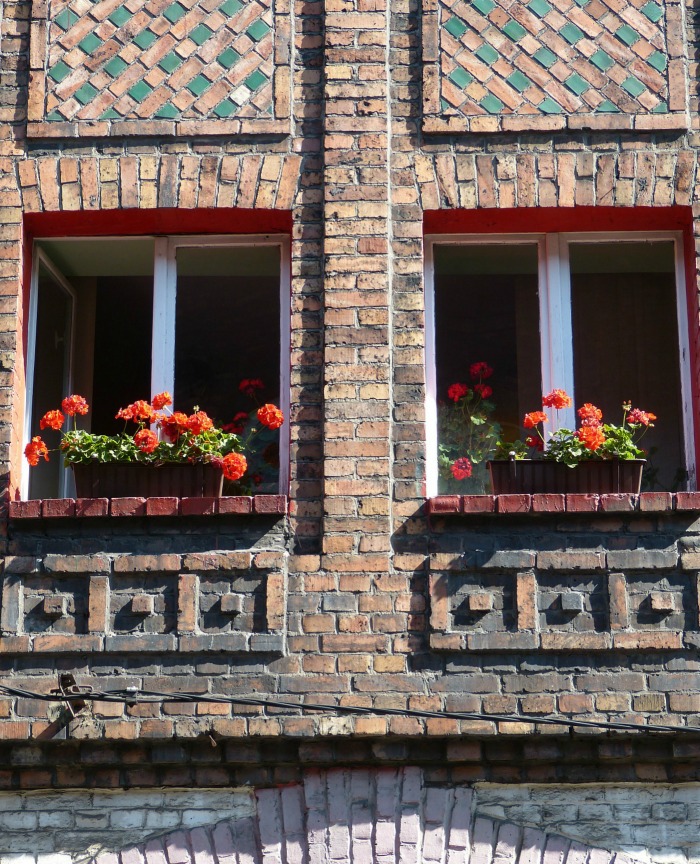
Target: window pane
pixel 486 310
pixel 228 329
pixel 626 342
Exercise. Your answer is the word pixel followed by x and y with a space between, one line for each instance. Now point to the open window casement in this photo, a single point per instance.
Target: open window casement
pixel 120 319
pixel 601 316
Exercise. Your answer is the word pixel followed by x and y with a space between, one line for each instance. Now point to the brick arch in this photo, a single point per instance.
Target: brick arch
pixel 363 816
pixel 184 181
pixel 627 179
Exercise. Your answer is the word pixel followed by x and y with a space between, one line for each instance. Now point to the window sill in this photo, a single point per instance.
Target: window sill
pixel 62 508
pixel 646 502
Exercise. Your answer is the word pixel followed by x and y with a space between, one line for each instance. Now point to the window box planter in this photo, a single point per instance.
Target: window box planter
pixel 129 480
pixel 533 476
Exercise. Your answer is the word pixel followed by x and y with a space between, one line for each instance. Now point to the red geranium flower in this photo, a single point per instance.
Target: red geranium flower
pixel 589 412
pixel 483 390
pixel 535 442
pixel 533 418
pixel 270 416
pixel 139 411
pixel 199 422
pixel 73 405
pixel 461 468
pixel 52 419
pixel 237 425
pixel 146 440
pixel 480 370
pixel 234 466
pixel 636 415
pixel 557 399
pixel 250 385
pixel 161 400
pixel 591 437
pixel 456 391
pixel 35 450
pixel 174 425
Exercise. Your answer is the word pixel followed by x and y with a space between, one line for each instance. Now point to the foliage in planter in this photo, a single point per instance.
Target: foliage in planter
pixel 184 439
pixel 593 440
pixel 467 433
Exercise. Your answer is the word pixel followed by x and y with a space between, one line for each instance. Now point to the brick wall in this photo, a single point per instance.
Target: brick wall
pixel 359 594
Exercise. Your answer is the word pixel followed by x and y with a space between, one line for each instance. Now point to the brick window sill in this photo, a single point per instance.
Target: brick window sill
pixel 62 508
pixel 646 502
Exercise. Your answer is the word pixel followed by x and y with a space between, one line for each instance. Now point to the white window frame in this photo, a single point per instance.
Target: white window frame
pixel 164 309
pixel 556 333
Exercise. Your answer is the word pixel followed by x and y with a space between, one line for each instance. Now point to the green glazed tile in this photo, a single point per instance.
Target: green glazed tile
pixel 66 19
pixel 577 84
pixel 228 58
pixel 167 112
pixel 549 106
pixel 539 7
pixel 519 81
pixel 444 105
pixel 59 71
pixel 582 3
pixel 492 104
pixel 514 31
pixel 455 27
pixel 484 6
pixel 545 57
pixel 627 35
pixel 55 117
pixel 110 114
pixel 571 33
pixel 257 30
pixel 170 62
pixel 116 66
pixel 225 108
pixel 145 39
pixel 200 34
pixel 607 107
pixel 602 60
pixel 487 54
pixel 230 7
pixel 658 61
pixel 633 86
pixel 256 80
pixel 86 94
pixel 198 85
pixel 120 16
pixel 174 12
pixel 461 78
pixel 140 90
pixel 653 11
pixel 661 108
pixel 90 43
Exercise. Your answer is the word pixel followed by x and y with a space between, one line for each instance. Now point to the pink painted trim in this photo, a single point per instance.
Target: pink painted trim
pixel 87 508
pixel 646 502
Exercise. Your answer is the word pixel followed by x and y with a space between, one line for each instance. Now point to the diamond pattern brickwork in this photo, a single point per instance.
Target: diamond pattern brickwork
pixel 541 63
pixel 163 64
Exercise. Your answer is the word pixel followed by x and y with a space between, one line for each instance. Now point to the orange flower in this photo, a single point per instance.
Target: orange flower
pixel 636 415
pixel 250 385
pixel 557 399
pixel 533 418
pixel 590 412
pixel 461 468
pixel 234 466
pixel 456 391
pixel 34 450
pixel 591 437
pixel 174 425
pixel 146 440
pixel 270 416
pixel 73 405
pixel 138 411
pixel 161 400
pixel 52 419
pixel 199 422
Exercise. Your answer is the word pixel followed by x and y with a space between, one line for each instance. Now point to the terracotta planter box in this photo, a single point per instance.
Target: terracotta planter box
pixel 147 481
pixel 532 476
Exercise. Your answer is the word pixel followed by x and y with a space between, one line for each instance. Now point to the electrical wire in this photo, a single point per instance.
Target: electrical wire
pixel 135 695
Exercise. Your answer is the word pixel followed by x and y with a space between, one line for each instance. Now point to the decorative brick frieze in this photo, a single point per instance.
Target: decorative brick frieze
pixel 159 68
pixel 493 66
pixel 478 505
pixel 53 508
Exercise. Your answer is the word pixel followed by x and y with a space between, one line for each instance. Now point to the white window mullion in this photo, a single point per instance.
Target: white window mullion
pixel 556 333
pixel 164 297
pixel 431 427
pixel 684 353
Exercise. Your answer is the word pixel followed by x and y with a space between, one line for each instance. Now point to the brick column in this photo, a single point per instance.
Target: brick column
pixel 357 293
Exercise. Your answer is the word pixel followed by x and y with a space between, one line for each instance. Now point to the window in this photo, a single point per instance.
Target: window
pixel 118 319
pixel 601 316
